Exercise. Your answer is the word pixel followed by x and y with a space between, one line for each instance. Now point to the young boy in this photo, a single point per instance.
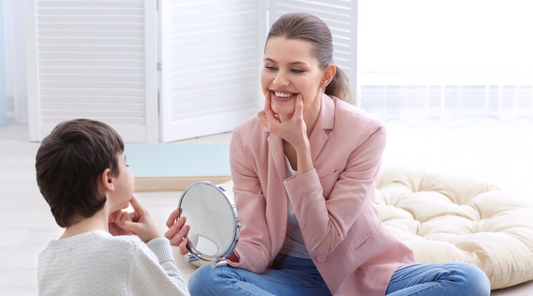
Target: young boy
pixel 82 174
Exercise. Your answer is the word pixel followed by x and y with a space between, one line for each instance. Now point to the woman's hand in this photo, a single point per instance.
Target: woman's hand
pixel 177 231
pixel 138 222
pixel 294 131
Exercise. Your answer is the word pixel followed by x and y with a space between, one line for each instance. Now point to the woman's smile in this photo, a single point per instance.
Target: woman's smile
pixel 282 96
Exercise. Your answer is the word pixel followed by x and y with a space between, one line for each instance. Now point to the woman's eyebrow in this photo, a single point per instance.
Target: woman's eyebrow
pixel 293 63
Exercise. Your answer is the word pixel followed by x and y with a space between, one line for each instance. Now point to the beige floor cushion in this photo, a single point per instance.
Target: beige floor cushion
pixel 443 218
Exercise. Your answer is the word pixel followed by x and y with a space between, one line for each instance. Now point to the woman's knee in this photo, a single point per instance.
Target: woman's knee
pixel 474 279
pixel 214 281
pixel 203 280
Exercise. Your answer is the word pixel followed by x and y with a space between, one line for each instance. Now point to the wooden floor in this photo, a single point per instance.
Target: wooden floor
pixel 487 150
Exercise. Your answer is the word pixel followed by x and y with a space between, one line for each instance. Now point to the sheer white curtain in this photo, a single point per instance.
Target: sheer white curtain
pixel 450 59
pixel 14 45
pixel 3 101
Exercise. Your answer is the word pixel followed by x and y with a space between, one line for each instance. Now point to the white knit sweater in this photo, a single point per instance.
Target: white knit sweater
pixel 97 263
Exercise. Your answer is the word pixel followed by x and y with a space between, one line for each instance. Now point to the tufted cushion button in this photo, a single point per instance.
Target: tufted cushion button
pixel 321 258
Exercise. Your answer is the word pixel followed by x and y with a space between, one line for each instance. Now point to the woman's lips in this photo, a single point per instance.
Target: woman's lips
pixel 282 96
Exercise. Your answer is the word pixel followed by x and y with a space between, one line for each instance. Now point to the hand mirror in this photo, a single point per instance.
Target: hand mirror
pixel 214 222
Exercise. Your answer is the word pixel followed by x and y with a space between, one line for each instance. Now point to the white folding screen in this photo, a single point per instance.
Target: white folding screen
pixel 210 60
pixel 93 59
pixel 160 70
pixel 341 18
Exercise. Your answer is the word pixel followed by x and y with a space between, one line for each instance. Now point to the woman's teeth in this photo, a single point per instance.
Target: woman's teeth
pixel 282 95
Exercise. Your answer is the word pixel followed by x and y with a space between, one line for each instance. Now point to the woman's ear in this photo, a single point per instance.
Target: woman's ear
pixel 328 75
pixel 105 181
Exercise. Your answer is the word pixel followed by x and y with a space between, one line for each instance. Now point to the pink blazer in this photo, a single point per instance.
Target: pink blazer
pixel 334 203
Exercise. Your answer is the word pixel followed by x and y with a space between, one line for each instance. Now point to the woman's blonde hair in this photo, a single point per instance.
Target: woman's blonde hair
pixel 305 26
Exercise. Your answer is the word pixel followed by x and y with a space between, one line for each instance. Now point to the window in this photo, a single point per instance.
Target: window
pixel 447 59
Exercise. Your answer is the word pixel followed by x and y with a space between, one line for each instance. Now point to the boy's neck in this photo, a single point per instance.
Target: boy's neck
pixel 98 221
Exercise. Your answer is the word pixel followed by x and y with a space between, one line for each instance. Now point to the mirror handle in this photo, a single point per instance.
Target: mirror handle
pixel 218 263
pixel 190 258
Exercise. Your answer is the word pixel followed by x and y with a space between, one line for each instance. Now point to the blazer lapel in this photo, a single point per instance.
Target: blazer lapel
pixel 277 196
pixel 275 148
pixel 319 136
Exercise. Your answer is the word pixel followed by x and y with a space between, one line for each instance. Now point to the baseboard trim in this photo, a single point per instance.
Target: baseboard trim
pixel 173 183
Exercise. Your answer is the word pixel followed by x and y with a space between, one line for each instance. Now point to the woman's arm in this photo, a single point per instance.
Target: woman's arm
pixel 325 223
pixel 294 131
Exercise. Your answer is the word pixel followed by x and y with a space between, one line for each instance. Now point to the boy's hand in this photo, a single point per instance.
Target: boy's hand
pixel 139 222
pixel 113 221
pixel 177 231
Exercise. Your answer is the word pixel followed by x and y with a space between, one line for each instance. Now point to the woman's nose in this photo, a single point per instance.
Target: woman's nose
pixel 281 80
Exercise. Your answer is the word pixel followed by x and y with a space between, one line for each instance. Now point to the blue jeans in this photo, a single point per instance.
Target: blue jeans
pixel 288 276
pixel 295 276
pixel 452 278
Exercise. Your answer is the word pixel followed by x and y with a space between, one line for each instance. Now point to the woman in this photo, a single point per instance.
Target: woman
pixel 303 173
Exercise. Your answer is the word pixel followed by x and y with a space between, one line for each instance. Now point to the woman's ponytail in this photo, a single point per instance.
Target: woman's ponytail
pixel 340 87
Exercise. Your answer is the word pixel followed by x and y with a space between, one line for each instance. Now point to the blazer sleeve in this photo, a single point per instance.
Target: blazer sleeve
pixel 253 248
pixel 325 223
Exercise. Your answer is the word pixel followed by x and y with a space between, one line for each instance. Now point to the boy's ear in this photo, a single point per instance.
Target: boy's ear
pixel 106 181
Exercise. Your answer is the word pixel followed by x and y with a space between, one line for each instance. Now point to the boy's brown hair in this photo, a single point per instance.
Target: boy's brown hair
pixel 68 164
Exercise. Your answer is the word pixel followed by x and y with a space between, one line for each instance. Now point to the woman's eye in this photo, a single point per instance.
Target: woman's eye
pixel 271 68
pixel 296 71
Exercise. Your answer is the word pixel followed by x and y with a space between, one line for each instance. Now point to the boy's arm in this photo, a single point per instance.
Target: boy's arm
pixel 153 271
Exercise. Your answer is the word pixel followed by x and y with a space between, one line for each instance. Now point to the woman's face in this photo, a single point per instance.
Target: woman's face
pixel 291 69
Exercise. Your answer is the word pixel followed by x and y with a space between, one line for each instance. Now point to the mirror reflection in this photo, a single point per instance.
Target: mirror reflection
pixel 213 220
